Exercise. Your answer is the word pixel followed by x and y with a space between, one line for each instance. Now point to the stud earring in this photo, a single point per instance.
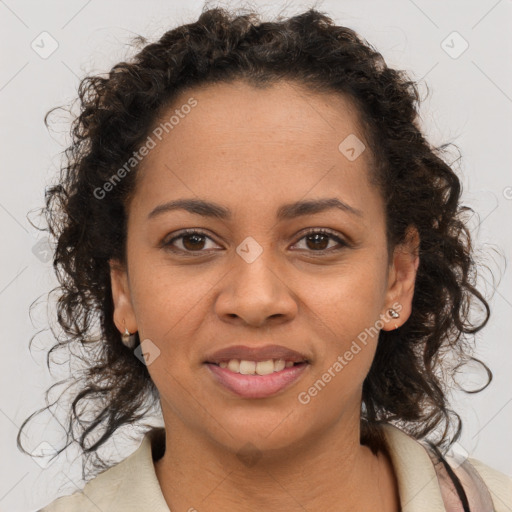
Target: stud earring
pixel 128 338
pixel 393 313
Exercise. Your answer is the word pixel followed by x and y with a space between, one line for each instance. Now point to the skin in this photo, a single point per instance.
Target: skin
pixel 253 150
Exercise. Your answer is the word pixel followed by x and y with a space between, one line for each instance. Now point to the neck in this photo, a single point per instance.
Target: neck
pixel 329 471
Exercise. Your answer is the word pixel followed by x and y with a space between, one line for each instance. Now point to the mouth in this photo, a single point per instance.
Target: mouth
pixel 256 372
pixel 250 367
pixel 256 379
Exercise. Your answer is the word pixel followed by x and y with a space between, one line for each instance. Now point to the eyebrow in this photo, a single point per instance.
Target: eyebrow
pixel 285 212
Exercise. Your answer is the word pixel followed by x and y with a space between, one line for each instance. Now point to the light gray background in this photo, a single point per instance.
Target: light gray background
pixel 470 103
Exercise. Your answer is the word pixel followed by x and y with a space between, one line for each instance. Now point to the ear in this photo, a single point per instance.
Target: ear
pixel 401 280
pixel 124 316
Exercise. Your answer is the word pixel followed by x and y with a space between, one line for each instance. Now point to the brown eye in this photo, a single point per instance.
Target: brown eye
pixel 318 240
pixel 189 242
pixel 193 242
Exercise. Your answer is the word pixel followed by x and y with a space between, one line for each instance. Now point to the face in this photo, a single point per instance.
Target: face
pixel 255 270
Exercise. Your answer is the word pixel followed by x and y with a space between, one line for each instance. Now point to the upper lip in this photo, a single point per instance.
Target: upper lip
pixel 263 353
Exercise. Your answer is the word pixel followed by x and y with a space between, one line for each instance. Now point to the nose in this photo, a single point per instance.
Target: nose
pixel 256 293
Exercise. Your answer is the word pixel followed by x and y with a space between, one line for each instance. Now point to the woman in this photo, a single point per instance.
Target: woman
pixel 278 258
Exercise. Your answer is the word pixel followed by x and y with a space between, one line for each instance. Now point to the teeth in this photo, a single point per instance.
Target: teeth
pixel 279 365
pixel 247 367
pixel 234 365
pixel 265 367
pixel 256 368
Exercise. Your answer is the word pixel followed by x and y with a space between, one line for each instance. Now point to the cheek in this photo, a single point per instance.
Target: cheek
pixel 163 295
pixel 344 312
pixel 349 298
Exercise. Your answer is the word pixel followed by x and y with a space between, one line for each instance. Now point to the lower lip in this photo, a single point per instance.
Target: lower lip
pixel 257 386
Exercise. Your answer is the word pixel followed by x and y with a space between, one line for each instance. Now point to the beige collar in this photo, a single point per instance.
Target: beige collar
pixel 417 480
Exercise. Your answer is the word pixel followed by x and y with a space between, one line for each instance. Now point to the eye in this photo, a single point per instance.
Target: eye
pixel 196 241
pixel 189 240
pixel 317 240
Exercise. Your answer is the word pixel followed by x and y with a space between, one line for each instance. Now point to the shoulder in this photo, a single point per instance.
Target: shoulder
pixel 422 483
pixel 499 485
pixel 98 494
pixel 129 485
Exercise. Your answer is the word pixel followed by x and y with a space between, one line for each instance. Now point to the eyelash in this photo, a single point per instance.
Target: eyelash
pixel 311 231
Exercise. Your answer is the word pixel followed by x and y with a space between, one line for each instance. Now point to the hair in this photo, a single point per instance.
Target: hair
pixel 411 373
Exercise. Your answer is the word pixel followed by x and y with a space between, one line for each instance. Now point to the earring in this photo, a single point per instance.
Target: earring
pixel 128 338
pixel 393 313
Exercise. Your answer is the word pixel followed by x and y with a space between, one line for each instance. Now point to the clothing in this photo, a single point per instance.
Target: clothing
pixel 132 484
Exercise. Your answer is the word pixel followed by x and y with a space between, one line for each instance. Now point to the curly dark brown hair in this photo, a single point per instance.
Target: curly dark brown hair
pixel 410 376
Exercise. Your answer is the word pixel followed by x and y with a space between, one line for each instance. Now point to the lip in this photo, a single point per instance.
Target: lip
pixel 257 386
pixel 256 354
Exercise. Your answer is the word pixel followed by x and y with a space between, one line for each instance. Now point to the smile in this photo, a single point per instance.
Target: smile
pixel 251 379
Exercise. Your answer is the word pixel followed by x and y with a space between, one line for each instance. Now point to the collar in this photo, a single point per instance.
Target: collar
pixel 131 484
pixel 418 485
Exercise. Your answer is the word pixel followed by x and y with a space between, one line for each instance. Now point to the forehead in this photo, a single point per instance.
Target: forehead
pixel 240 141
pixel 231 114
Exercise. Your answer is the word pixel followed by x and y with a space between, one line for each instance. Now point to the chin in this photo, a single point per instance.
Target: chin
pixel 261 434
